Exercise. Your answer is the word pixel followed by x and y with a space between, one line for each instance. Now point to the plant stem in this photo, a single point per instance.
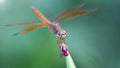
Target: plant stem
pixel 69 62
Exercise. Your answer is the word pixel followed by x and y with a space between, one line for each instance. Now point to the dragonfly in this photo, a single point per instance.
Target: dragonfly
pixel 54 25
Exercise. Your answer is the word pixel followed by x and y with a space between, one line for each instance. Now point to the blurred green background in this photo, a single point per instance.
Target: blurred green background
pixel 93 39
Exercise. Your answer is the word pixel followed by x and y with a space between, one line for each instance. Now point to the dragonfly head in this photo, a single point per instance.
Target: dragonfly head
pixel 62 34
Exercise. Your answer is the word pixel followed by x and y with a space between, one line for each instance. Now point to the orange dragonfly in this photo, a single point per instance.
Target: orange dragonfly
pixel 52 25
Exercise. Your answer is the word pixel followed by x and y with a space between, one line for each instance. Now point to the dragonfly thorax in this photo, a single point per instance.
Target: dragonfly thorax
pixel 57 30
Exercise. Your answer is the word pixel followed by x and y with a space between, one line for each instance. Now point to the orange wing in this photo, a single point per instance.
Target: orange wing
pixel 69 12
pixel 25 24
pixel 79 14
pixel 32 28
pixel 44 20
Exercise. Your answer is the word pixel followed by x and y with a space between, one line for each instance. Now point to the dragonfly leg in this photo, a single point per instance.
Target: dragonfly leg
pixel 58 41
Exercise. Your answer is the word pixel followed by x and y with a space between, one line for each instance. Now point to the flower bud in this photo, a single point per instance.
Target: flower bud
pixel 64 50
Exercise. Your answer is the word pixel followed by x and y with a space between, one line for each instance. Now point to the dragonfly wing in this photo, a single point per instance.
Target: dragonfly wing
pixel 79 14
pixel 32 28
pixel 25 24
pixel 44 20
pixel 69 12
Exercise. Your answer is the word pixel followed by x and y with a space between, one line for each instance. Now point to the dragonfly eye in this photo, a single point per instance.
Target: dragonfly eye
pixel 62 34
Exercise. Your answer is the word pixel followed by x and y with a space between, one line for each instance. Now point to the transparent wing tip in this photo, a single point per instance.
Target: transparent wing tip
pixel 93 10
pixel 33 7
pixel 83 4
pixel 15 34
pixel 8 25
pixel 19 33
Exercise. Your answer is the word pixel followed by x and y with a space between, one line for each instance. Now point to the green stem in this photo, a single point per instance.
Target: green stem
pixel 69 62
